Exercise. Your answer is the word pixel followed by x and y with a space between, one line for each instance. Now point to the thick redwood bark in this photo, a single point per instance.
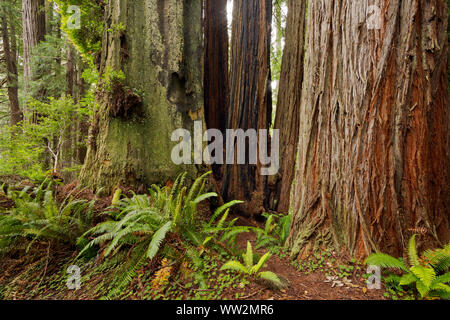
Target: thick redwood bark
pixel 33 25
pixel 216 64
pixel 216 87
pixel 373 161
pixel 250 95
pixel 10 56
pixel 288 107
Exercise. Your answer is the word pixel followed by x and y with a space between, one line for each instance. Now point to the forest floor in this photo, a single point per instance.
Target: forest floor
pixel 41 274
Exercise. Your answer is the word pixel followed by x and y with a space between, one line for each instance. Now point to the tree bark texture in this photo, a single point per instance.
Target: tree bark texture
pixel 10 56
pixel 287 117
pixel 216 84
pixel 373 161
pixel 158 48
pixel 33 25
pixel 250 96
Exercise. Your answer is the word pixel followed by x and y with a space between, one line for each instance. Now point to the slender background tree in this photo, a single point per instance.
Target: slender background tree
pixel 288 103
pixel 250 96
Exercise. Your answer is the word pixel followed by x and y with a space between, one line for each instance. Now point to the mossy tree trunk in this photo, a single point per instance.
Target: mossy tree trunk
pixel 158 47
pixel 373 161
pixel 250 97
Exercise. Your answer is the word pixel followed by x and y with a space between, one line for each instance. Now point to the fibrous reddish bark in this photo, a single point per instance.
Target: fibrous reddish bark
pixel 216 87
pixel 373 161
pixel 288 106
pixel 33 25
pixel 250 95
pixel 10 56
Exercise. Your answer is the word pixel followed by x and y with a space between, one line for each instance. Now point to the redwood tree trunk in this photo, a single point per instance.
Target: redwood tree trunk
pixel 288 107
pixel 10 56
pixel 33 25
pixel 158 51
pixel 250 96
pixel 373 161
pixel 216 85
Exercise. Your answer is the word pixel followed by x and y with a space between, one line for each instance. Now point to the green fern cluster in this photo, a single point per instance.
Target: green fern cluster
pixel 220 233
pixel 252 269
pixel 430 273
pixel 141 224
pixel 37 217
pixel 275 232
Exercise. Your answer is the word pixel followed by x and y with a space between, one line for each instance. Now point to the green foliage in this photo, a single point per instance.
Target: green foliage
pixel 253 269
pixel 37 217
pixel 46 64
pixel 275 232
pixel 142 223
pixel 88 38
pixel 111 77
pixel 430 274
pixel 23 155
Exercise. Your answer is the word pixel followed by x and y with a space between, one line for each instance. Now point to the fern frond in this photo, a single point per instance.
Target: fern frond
pixel 412 251
pixel 426 275
pixel 195 186
pixel 157 240
pixel 385 261
pixel 232 232
pixel 223 219
pixel 439 259
pixel 222 208
pixel 445 278
pixel 255 269
pixel 422 288
pixel 205 196
pixel 248 256
pixel 234 265
pixel 407 279
pixel 270 276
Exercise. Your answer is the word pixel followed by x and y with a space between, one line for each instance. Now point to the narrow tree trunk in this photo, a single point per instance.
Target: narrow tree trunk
pixel 11 69
pixel 289 96
pixel 157 50
pixel 373 161
pixel 82 125
pixel 250 97
pixel 69 141
pixel 33 24
pixel 216 69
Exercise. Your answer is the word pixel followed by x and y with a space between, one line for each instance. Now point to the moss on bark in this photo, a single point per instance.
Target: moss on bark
pixel 159 51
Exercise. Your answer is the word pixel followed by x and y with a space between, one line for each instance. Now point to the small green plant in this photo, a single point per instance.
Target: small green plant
pixel 275 232
pixel 429 274
pixel 252 269
pixel 221 235
pixel 111 77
